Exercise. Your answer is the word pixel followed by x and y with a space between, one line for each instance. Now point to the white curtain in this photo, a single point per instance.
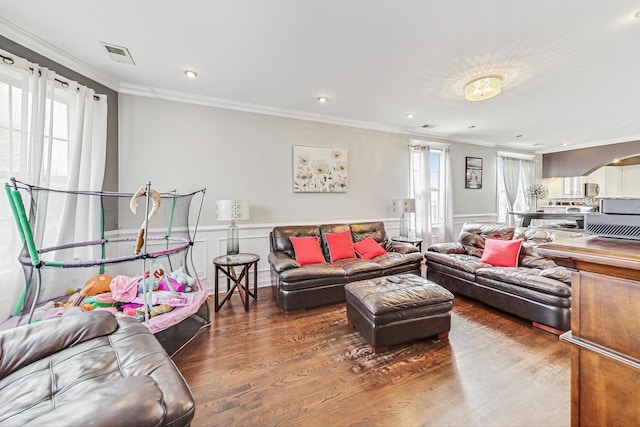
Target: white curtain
pixel 446 205
pixel 421 187
pixel 510 171
pixel 30 117
pixel 528 177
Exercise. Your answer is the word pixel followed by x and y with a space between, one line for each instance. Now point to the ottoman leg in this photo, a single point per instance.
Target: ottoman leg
pixel 443 335
pixel 383 349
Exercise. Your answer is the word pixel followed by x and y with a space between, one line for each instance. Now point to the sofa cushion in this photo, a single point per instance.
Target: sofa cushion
pixel 280 241
pixel 375 229
pixel 368 248
pixel 394 259
pixel 358 268
pixel 330 228
pixel 307 250
pixel 340 245
pixel 558 273
pixel 525 277
pixel 314 271
pixel 501 253
pixel 472 236
pixel 463 262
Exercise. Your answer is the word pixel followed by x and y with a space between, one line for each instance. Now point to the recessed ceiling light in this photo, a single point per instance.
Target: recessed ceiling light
pixel 322 99
pixel 616 160
pixel 564 144
pixel 409 116
pixel 637 15
pixel 519 135
pixel 191 74
pixel 472 127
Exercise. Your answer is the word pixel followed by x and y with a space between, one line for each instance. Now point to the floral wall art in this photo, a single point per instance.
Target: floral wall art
pixel 319 170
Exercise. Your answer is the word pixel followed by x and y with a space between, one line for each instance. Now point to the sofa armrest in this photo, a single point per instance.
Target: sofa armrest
pixel 448 248
pixel 280 261
pixel 400 247
pixel 26 344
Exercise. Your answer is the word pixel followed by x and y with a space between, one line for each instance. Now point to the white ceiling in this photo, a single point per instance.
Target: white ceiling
pixel 571 67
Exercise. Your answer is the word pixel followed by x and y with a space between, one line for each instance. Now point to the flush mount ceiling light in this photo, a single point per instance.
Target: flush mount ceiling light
pixel 483 88
pixel 409 116
pixel 322 99
pixel 191 74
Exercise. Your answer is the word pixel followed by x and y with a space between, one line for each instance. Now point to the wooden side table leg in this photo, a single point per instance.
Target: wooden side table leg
pixel 215 289
pixel 245 300
pixel 255 280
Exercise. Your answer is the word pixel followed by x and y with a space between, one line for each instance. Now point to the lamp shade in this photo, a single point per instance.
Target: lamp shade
pixel 232 210
pixel 404 205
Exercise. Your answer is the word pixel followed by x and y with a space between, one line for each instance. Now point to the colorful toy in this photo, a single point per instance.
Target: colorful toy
pixel 98 284
pixel 133 204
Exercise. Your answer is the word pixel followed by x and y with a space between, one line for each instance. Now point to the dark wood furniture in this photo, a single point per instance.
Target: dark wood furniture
pixel 526 217
pixel 226 264
pixel 605 326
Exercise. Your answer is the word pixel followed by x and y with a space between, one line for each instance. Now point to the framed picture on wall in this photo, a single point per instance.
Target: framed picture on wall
pixel 473 173
pixel 320 170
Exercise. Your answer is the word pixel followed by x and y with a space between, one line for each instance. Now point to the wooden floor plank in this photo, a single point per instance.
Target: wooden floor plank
pixel 309 368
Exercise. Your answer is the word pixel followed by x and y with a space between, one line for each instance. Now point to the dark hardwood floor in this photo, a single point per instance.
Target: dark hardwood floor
pixel 267 368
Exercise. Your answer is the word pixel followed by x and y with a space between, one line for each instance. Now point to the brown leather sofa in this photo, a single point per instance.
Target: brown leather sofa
pixel 537 289
pixel 89 369
pixel 300 287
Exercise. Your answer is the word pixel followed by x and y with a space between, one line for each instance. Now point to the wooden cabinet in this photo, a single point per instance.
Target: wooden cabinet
pixel 605 328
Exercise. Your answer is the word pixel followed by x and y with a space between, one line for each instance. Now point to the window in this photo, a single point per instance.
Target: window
pixel 436 180
pixel 16 157
pixel 520 203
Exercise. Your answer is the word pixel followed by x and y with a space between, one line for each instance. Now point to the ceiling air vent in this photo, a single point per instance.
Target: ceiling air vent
pixel 118 53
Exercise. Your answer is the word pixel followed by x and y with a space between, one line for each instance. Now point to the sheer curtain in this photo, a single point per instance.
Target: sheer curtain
pixel 510 171
pixel 421 191
pixel 446 229
pixel 52 134
pixel 528 176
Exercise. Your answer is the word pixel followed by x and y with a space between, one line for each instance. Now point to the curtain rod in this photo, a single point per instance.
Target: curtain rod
pixel 64 84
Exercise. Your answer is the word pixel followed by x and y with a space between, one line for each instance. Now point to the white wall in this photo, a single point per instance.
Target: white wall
pixel 249 156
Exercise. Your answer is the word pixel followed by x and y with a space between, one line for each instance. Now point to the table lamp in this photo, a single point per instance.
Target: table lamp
pixel 232 210
pixel 406 206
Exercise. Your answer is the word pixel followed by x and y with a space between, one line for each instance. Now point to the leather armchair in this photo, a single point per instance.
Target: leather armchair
pixel 89 369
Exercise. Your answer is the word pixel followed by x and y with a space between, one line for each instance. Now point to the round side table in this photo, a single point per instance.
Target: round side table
pixel 227 265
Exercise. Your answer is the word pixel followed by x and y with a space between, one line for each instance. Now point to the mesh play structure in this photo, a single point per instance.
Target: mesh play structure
pixel 88 250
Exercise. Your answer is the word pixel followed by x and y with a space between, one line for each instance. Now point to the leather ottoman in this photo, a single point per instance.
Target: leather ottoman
pixel 397 309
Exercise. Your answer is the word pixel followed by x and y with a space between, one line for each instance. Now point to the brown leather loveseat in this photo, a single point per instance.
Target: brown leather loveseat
pixel 300 287
pixel 536 289
pixel 89 369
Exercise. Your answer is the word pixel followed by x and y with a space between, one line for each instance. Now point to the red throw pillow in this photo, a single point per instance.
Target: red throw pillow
pixel 368 248
pixel 501 253
pixel 340 245
pixel 307 250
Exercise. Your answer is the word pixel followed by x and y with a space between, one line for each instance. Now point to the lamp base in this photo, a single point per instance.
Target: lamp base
pixel 404 226
pixel 233 243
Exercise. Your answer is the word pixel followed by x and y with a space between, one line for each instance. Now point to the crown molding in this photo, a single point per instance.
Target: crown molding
pixel 32 42
pixel 228 104
pixel 591 144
